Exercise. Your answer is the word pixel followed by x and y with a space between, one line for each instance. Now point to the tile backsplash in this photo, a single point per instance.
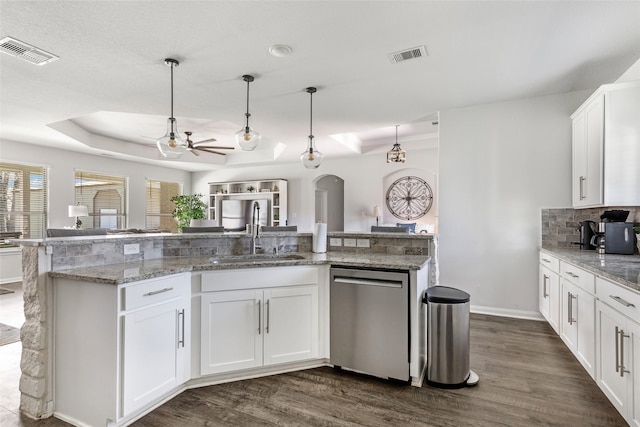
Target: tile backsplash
pixel 560 227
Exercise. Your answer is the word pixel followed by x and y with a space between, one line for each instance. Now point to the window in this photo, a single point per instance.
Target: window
pixel 105 197
pixel 23 200
pixel 160 206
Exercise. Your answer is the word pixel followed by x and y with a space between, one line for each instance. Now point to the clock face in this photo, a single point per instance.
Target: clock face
pixel 409 198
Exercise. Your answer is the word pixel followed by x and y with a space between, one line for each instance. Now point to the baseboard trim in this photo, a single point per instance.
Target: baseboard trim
pixel 507 312
pixel 6 280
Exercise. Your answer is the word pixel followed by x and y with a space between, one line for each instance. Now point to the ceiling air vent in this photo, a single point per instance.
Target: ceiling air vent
pixel 25 51
pixel 404 55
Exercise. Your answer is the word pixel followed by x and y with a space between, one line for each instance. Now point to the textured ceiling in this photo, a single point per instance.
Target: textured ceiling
pixel 109 91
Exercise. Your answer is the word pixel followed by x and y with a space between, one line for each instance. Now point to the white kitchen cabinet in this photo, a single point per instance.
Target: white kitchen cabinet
pixel 577 328
pixel 119 348
pixel 153 353
pixel 549 290
pixel 618 347
pixel 263 325
pixel 605 141
pixel 577 317
pixel 231 331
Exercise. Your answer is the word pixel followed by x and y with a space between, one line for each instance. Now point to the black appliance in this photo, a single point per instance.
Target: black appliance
pixel 614 216
pixel 619 238
pixel 587 230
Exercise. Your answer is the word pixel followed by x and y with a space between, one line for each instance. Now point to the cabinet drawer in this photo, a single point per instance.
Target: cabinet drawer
pixel 619 297
pixel 153 291
pixel 578 276
pixel 551 262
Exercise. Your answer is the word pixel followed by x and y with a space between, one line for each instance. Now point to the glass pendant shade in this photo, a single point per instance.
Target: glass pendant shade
pixel 172 145
pixel 248 139
pixel 311 158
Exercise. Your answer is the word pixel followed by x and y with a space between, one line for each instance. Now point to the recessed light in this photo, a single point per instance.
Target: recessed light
pixel 280 50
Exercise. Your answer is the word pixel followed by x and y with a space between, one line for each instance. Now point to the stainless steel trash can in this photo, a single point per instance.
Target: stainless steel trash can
pixel 447 337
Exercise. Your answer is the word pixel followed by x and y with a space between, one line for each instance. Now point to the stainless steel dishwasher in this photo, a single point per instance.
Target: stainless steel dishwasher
pixel 370 321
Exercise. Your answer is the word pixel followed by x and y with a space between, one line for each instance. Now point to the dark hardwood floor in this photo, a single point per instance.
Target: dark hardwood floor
pixel 527 378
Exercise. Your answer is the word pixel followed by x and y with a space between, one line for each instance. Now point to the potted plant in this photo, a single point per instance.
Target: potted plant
pixel 637 230
pixel 188 207
pixel 250 189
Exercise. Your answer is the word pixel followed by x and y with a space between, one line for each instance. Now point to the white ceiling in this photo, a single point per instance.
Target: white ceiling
pixel 109 92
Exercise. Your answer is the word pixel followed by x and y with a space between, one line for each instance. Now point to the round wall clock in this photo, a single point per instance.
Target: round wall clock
pixel 409 198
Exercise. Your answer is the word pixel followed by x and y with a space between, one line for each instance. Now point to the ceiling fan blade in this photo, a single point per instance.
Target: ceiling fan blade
pixel 206 140
pixel 206 150
pixel 215 147
pixel 194 152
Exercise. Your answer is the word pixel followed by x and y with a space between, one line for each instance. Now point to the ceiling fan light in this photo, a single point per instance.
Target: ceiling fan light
pixel 311 157
pixel 172 145
pixel 248 139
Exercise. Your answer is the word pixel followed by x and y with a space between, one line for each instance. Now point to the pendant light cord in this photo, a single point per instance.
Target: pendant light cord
pixel 171 93
pixel 311 115
pixel 247 113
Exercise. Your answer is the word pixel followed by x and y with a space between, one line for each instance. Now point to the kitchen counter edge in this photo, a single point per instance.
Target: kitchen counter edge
pixel 622 269
pixel 116 274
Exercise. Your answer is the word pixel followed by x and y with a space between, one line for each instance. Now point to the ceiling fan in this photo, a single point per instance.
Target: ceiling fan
pixel 194 146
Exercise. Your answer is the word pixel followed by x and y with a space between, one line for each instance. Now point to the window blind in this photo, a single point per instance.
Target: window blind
pixel 105 197
pixel 23 200
pixel 160 206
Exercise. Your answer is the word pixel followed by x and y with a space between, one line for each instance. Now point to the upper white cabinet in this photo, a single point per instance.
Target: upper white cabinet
pixel 606 148
pixel 273 190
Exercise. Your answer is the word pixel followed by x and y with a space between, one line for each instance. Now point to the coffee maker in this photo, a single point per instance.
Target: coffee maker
pixel 587 230
pixel 617 236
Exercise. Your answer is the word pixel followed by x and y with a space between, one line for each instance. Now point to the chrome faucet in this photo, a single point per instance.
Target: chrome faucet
pixel 255 227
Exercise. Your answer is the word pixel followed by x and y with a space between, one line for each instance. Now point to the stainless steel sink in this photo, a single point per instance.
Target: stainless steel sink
pixel 254 258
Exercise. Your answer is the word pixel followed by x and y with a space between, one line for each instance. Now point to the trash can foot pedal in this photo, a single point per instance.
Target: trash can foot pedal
pixel 473 379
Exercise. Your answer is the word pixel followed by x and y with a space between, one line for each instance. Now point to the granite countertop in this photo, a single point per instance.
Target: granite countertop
pixel 622 269
pixel 116 274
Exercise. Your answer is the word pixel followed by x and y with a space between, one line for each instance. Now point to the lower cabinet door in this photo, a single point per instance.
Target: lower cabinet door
pixel 613 358
pixel 153 353
pixel 231 331
pixel 633 417
pixel 568 316
pixel 291 324
pixel 585 309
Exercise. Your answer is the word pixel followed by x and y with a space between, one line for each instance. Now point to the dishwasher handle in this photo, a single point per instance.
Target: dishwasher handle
pixel 367 282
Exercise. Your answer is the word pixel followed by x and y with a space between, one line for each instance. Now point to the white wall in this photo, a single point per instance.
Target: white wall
pixel 62 165
pixel 499 165
pixel 363 184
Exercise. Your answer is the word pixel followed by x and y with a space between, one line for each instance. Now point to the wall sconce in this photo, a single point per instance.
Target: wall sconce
pixel 77 211
pixel 376 213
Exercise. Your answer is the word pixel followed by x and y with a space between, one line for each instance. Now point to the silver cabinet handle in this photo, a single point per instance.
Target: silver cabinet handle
pixel 570 318
pixel 621 301
pixel 575 276
pixel 617 351
pixel 546 260
pixel 268 316
pixel 148 294
pixel 620 352
pixel 582 180
pixel 544 286
pixel 181 332
pixel 259 317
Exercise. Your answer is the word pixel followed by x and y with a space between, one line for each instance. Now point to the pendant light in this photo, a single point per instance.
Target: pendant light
pixel 311 158
pixel 172 145
pixel 396 154
pixel 247 138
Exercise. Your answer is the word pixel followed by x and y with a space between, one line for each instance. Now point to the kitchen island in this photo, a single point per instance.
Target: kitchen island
pixel 66 279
